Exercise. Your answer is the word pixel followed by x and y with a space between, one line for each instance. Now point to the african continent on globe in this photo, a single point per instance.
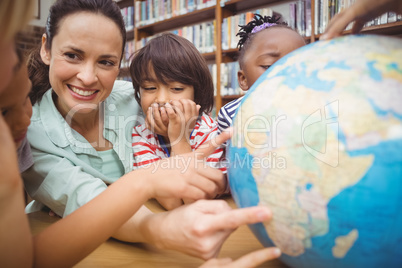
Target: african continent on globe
pixel 318 139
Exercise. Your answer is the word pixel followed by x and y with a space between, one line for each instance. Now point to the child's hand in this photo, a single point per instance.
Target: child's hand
pixel 185 176
pixel 182 116
pixel 157 119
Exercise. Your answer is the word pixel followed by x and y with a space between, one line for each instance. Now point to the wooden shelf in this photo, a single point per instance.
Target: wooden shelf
pixel 194 17
pixel 125 3
pixel 238 6
pixel 124 71
pixel 130 35
pixel 231 97
pixel 393 28
pixel 209 57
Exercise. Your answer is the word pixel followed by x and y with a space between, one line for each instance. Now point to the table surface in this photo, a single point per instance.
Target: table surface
pixel 114 253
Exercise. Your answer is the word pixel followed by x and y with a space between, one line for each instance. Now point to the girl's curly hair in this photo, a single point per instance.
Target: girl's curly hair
pixel 245 31
pixel 246 34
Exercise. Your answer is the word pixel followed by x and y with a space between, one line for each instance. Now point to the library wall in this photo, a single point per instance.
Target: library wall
pixel 212 25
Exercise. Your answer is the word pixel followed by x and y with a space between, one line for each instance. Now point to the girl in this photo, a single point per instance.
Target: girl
pixel 16 109
pixel 174 87
pixel 263 41
pixel 15 239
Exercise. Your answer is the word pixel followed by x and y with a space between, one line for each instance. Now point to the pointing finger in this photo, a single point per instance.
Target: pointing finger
pixel 209 147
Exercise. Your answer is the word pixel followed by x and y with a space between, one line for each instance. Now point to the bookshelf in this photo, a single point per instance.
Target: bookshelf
pixel 127 11
pixel 152 17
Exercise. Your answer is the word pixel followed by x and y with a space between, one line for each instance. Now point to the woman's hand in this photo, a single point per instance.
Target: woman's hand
pixel 360 12
pixel 250 260
pixel 200 229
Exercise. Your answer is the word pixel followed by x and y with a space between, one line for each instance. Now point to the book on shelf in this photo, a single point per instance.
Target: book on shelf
pixel 325 10
pixel 300 17
pixel 128 17
pixel 202 35
pixel 128 51
pixel 212 70
pixel 229 82
pixel 307 14
pixel 392 17
pixel 152 11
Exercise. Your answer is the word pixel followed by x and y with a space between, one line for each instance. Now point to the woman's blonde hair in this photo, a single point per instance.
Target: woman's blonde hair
pixel 14 15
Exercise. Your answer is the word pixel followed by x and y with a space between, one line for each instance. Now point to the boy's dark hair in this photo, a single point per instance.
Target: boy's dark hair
pixel 38 71
pixel 174 58
pixel 246 35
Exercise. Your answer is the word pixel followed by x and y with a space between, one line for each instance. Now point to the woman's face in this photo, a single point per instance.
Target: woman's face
pixel 83 61
pixel 8 62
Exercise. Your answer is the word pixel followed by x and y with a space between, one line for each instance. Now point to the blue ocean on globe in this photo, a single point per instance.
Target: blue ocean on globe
pixel 318 139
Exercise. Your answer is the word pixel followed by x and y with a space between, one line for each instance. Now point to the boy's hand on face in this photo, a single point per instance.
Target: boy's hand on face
pixel 157 119
pixel 182 116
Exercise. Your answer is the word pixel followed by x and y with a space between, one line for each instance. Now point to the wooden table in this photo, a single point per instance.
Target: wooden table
pixel 114 253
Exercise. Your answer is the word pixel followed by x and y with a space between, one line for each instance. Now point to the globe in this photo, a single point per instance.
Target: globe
pixel 318 139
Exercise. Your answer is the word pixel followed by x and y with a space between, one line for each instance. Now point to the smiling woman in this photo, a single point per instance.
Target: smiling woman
pixel 78 105
pixel 85 63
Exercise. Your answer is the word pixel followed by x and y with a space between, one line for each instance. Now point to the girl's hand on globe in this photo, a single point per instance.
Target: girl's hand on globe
pixel 359 13
pixel 250 260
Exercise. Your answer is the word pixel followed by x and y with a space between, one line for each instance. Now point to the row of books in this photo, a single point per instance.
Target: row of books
pixel 151 11
pixel 128 51
pixel 128 16
pixel 229 83
pixel 326 9
pixel 201 35
pixel 300 16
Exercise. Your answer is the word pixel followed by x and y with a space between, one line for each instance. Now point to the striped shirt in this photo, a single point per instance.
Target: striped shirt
pixel 226 114
pixel 148 147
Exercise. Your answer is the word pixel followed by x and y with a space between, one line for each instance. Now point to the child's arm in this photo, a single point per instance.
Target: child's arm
pixel 15 237
pixel 206 130
pixel 146 152
pixel 223 120
pixel 145 147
